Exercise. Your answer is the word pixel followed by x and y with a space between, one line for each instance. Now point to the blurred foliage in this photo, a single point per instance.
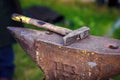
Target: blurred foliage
pixel 99 19
pixel 117 33
pixel 25 68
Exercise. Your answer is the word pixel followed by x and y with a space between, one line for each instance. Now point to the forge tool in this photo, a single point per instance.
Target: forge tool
pixel 93 58
pixel 69 35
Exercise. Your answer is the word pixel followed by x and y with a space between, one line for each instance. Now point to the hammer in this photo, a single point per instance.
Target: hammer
pixel 70 36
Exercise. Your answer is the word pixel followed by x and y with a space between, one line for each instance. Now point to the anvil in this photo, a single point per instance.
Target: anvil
pixel 93 58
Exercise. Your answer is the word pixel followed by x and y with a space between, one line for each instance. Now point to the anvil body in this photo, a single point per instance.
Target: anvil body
pixel 93 58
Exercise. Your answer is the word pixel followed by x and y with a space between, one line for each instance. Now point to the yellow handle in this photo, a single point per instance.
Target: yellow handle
pixel 20 18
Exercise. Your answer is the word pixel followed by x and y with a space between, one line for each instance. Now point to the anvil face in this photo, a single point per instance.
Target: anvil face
pixel 93 58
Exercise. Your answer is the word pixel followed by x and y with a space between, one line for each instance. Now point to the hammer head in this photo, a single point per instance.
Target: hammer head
pixel 76 35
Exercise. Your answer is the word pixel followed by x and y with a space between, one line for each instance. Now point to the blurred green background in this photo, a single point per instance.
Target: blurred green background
pixel 100 19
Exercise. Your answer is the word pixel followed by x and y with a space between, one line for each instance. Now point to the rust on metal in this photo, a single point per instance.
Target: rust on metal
pixel 93 58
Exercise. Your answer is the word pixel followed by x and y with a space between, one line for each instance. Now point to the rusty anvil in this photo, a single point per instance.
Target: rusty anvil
pixel 93 58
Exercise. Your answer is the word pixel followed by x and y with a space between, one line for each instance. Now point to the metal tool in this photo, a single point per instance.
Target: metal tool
pixel 93 58
pixel 69 35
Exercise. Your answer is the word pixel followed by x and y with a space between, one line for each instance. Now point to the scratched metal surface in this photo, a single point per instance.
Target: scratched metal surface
pixel 91 43
pixel 87 59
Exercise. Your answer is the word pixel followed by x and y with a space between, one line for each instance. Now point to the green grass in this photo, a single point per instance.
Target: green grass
pixel 100 20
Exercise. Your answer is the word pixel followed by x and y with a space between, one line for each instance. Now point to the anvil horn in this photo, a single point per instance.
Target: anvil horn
pixel 93 58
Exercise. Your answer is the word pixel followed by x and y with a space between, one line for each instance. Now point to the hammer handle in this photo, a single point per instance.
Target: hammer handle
pixel 41 24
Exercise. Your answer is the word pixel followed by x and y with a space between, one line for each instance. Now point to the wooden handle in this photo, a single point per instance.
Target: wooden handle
pixel 41 24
